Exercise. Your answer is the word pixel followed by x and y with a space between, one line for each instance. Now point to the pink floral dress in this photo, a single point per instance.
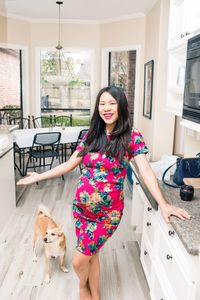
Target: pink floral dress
pixel 99 201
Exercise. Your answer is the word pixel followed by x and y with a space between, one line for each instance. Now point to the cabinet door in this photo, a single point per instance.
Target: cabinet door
pixel 159 289
pixel 192 16
pixel 137 207
pixel 7 188
pixel 176 20
pixel 181 285
pixel 184 21
pixel 149 228
pixel 176 80
pixel 146 260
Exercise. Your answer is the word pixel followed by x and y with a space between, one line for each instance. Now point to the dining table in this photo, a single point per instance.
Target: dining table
pixel 24 137
pixel 23 140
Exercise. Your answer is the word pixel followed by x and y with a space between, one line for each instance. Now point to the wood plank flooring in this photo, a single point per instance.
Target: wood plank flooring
pixel 122 277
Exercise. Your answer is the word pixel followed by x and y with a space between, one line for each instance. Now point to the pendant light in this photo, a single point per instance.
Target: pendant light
pixel 64 71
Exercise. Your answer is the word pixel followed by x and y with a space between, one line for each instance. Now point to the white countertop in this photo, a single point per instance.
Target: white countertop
pixel 8 128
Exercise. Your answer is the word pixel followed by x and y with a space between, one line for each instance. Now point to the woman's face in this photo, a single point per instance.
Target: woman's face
pixel 108 109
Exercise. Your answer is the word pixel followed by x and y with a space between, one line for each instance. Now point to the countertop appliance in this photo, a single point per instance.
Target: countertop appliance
pixel 191 102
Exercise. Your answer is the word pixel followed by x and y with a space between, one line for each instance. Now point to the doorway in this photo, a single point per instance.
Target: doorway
pixel 120 67
pixel 121 73
pixel 11 84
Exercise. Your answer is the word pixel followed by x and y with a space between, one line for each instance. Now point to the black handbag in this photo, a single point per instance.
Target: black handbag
pixel 185 168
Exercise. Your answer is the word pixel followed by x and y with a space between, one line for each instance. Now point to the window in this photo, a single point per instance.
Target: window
pixel 66 84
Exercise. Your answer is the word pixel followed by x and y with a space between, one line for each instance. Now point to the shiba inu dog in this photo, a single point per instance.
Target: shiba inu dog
pixel 53 237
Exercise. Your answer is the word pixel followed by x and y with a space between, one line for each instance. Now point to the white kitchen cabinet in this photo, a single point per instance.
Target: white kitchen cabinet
pixel 7 188
pixel 184 21
pixel 176 265
pixel 171 272
pixel 137 207
pixel 176 80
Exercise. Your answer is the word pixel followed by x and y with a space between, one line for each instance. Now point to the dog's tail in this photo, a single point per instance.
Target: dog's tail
pixel 43 210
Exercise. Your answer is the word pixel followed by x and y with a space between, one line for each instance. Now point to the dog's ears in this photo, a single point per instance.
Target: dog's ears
pixel 60 233
pixel 60 230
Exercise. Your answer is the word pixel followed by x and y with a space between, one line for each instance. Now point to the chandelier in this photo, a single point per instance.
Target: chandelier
pixel 64 69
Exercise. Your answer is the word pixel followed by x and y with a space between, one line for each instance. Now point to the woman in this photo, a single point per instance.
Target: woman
pixel 98 206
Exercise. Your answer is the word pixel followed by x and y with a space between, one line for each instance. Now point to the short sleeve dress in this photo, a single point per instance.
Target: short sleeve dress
pixel 99 200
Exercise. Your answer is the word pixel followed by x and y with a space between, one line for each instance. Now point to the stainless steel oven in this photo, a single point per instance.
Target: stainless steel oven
pixel 191 102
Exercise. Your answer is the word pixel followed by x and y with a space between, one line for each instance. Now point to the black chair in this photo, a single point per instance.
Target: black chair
pixel 80 136
pixel 74 145
pixel 63 121
pixel 43 121
pixel 23 123
pixel 45 145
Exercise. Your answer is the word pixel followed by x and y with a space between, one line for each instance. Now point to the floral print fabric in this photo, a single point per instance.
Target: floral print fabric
pixel 99 201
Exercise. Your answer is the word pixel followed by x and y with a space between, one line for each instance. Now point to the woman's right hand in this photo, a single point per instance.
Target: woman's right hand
pixel 31 178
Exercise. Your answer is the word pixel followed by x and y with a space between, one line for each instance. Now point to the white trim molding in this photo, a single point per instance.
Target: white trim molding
pixel 25 75
pixel 37 107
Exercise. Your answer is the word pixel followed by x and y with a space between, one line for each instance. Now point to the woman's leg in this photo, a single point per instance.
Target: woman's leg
pixel 81 264
pixel 94 277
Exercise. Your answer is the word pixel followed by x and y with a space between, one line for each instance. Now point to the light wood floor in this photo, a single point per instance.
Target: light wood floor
pixel 122 277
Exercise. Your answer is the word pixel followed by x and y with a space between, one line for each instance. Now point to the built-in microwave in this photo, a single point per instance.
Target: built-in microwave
pixel 191 100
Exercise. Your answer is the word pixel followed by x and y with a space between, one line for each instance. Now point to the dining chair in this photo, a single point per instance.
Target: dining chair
pixel 45 145
pixel 63 121
pixel 74 145
pixel 19 154
pixel 24 123
pixel 43 121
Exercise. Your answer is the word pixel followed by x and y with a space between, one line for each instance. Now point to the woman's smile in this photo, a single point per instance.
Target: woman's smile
pixel 108 109
pixel 108 115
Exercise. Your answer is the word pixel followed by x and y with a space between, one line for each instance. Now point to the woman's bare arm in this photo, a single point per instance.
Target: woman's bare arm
pixel 62 169
pixel 152 184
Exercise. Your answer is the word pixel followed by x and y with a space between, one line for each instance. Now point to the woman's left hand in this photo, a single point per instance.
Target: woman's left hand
pixel 168 210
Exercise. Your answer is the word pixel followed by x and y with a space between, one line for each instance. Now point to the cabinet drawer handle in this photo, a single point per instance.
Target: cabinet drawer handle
pixel 182 35
pixel 168 256
pixel 148 224
pixel 149 208
pixel 171 233
pixel 145 252
pixel 187 33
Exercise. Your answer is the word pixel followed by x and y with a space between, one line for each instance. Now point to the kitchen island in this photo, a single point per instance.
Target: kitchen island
pixel 169 252
pixel 7 177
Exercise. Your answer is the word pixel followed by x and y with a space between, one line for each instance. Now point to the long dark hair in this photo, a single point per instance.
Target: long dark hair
pixel 97 141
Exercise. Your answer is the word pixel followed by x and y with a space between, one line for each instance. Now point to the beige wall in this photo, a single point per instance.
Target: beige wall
pixel 123 33
pixel 158 131
pixel 18 32
pixel 3 30
pixel 191 143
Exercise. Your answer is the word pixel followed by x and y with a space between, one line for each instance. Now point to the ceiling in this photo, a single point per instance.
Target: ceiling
pixel 87 10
